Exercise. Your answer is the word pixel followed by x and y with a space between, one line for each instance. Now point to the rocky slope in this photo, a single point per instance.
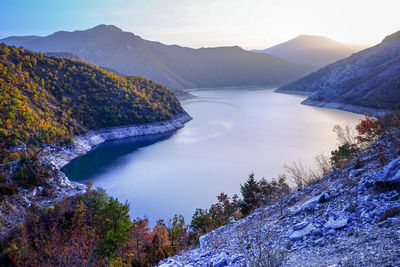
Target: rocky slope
pixel 349 218
pixel 310 49
pixel 369 79
pixel 55 157
pixel 173 65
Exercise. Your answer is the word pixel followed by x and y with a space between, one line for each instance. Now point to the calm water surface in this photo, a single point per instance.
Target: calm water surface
pixel 233 132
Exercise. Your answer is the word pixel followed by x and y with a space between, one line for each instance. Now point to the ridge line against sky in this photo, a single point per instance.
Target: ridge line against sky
pixel 205 23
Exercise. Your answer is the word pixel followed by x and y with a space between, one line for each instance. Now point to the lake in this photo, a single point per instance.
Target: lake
pixel 233 132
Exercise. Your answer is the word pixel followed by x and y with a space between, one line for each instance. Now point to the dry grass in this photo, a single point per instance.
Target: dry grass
pixel 303 175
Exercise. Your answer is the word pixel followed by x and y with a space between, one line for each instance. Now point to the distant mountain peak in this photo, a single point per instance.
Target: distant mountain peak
pixel 311 49
pixel 105 27
pixel 311 36
pixel 308 37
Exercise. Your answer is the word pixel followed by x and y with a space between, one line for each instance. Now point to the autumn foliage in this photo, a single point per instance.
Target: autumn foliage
pixel 49 99
pixel 94 230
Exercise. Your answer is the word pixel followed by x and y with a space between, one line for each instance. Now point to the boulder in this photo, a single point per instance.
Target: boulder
pixel 310 204
pixel 336 224
pixel 390 175
pixel 300 226
pixel 299 234
pixel 220 263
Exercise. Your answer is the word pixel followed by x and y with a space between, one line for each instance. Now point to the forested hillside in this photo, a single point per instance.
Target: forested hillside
pixel 49 99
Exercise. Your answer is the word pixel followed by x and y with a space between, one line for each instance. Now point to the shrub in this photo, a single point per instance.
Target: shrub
pixel 251 193
pixel 3 178
pixel 256 250
pixel 177 233
pixel 13 157
pixel 160 245
pixel 225 210
pixel 8 190
pixel 369 130
pixel 391 123
pixel 272 191
pixel 69 140
pixel 304 176
pixel 202 222
pixel 345 135
pixel 343 155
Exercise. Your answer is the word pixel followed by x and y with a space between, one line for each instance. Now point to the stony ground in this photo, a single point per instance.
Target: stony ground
pixel 349 218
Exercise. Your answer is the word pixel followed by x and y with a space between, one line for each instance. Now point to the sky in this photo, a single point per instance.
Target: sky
pixel 207 23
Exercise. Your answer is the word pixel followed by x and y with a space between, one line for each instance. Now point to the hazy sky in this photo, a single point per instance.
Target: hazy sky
pixel 197 23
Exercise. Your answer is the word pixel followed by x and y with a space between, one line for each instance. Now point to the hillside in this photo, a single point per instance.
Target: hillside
pixel 310 49
pixel 50 99
pixel 350 217
pixel 174 66
pixel 367 79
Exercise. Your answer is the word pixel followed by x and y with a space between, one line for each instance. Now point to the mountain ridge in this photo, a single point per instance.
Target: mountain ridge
pixel 173 65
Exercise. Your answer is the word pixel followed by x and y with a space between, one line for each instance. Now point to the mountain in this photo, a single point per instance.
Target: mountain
pixel 367 79
pixel 175 66
pixel 309 49
pixel 49 99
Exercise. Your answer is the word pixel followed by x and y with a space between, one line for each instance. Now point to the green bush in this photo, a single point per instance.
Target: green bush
pixel 343 155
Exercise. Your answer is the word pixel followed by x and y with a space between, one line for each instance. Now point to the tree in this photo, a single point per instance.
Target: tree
pixel 140 238
pixel 160 245
pixel 177 232
pixel 113 226
pixel 251 195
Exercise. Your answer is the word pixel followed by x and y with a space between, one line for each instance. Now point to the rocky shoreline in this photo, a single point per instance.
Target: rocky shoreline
pixel 61 156
pixel 58 185
pixel 58 157
pixel 334 105
pixel 346 107
pixel 290 92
